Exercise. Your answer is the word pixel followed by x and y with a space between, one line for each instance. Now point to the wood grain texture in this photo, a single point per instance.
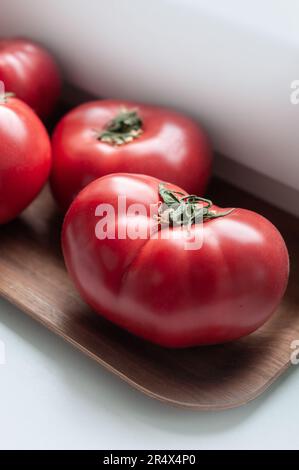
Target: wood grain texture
pixel 33 276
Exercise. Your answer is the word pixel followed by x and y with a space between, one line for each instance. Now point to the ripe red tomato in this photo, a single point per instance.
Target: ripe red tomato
pixel 30 72
pixel 102 137
pixel 25 157
pixel 158 289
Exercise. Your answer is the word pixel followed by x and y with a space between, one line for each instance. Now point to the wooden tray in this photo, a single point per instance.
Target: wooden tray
pixel 32 276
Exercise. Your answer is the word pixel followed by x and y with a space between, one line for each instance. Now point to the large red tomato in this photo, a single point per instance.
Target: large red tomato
pixel 25 157
pixel 155 287
pixel 30 72
pixel 102 137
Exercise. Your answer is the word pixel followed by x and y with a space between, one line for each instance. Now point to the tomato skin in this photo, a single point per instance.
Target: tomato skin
pixel 30 72
pixel 25 157
pixel 164 293
pixel 172 148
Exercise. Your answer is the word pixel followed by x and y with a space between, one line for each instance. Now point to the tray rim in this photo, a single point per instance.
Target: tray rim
pixel 176 403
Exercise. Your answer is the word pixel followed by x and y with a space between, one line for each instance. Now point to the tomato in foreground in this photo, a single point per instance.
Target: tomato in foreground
pixel 155 287
pixel 25 157
pixel 30 72
pixel 102 137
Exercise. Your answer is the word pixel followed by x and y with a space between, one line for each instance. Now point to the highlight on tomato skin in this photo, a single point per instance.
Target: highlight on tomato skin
pixel 154 287
pixel 30 72
pixel 25 157
pixel 111 136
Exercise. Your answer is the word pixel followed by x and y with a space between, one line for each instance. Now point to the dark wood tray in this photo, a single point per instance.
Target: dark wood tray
pixel 33 277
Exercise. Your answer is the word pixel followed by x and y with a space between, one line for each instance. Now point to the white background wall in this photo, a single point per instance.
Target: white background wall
pixel 228 63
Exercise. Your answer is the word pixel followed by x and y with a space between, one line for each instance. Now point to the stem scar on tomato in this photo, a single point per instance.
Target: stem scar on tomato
pixel 123 128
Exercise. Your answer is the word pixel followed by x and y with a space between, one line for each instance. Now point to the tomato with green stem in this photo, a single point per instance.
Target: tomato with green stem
pixel 108 136
pixel 155 286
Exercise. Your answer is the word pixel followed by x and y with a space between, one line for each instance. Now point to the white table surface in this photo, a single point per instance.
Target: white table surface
pixel 52 397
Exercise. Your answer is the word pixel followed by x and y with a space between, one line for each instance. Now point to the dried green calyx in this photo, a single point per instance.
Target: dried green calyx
pixel 179 209
pixel 124 128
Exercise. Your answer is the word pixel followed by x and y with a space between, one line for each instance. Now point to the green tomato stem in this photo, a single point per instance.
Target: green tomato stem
pixel 185 210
